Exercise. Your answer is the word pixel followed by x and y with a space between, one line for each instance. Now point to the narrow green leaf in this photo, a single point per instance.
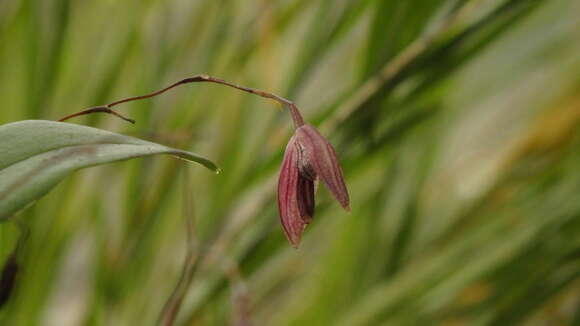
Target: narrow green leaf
pixel 36 155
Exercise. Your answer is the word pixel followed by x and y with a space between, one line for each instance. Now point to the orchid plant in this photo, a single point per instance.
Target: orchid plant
pixel 308 157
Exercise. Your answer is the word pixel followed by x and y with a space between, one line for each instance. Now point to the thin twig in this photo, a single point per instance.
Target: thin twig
pixel 241 310
pixel 197 258
pixel 97 109
pixel 173 304
pixel 296 116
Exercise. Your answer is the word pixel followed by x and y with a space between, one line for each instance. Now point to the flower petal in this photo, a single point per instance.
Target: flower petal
pixel 305 198
pixel 290 212
pixel 320 155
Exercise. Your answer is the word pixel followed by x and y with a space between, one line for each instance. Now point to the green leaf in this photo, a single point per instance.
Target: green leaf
pixel 36 155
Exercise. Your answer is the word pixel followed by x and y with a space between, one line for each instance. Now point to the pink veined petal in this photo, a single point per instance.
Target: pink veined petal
pixel 290 214
pixel 320 154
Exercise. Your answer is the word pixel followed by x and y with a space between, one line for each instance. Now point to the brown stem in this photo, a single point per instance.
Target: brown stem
pixel 103 109
pixel 296 116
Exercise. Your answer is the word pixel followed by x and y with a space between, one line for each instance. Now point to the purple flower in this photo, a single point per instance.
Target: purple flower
pixel 308 156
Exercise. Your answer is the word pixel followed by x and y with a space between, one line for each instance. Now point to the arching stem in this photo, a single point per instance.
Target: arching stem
pixel 97 109
pixel 294 112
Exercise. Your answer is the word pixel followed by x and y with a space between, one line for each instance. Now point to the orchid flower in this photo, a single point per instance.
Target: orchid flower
pixel 308 157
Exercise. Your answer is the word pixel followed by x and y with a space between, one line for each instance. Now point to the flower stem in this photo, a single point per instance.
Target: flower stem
pixel 294 112
pixel 103 109
pixel 296 116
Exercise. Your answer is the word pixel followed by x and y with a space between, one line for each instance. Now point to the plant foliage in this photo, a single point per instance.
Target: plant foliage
pixel 457 123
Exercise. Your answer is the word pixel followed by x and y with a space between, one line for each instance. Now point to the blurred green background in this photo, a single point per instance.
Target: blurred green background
pixel 457 123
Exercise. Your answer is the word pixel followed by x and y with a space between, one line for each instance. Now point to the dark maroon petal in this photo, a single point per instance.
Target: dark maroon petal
pixel 319 154
pixel 305 198
pixel 290 213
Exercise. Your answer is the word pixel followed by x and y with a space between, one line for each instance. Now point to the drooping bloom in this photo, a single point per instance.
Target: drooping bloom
pixel 308 157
